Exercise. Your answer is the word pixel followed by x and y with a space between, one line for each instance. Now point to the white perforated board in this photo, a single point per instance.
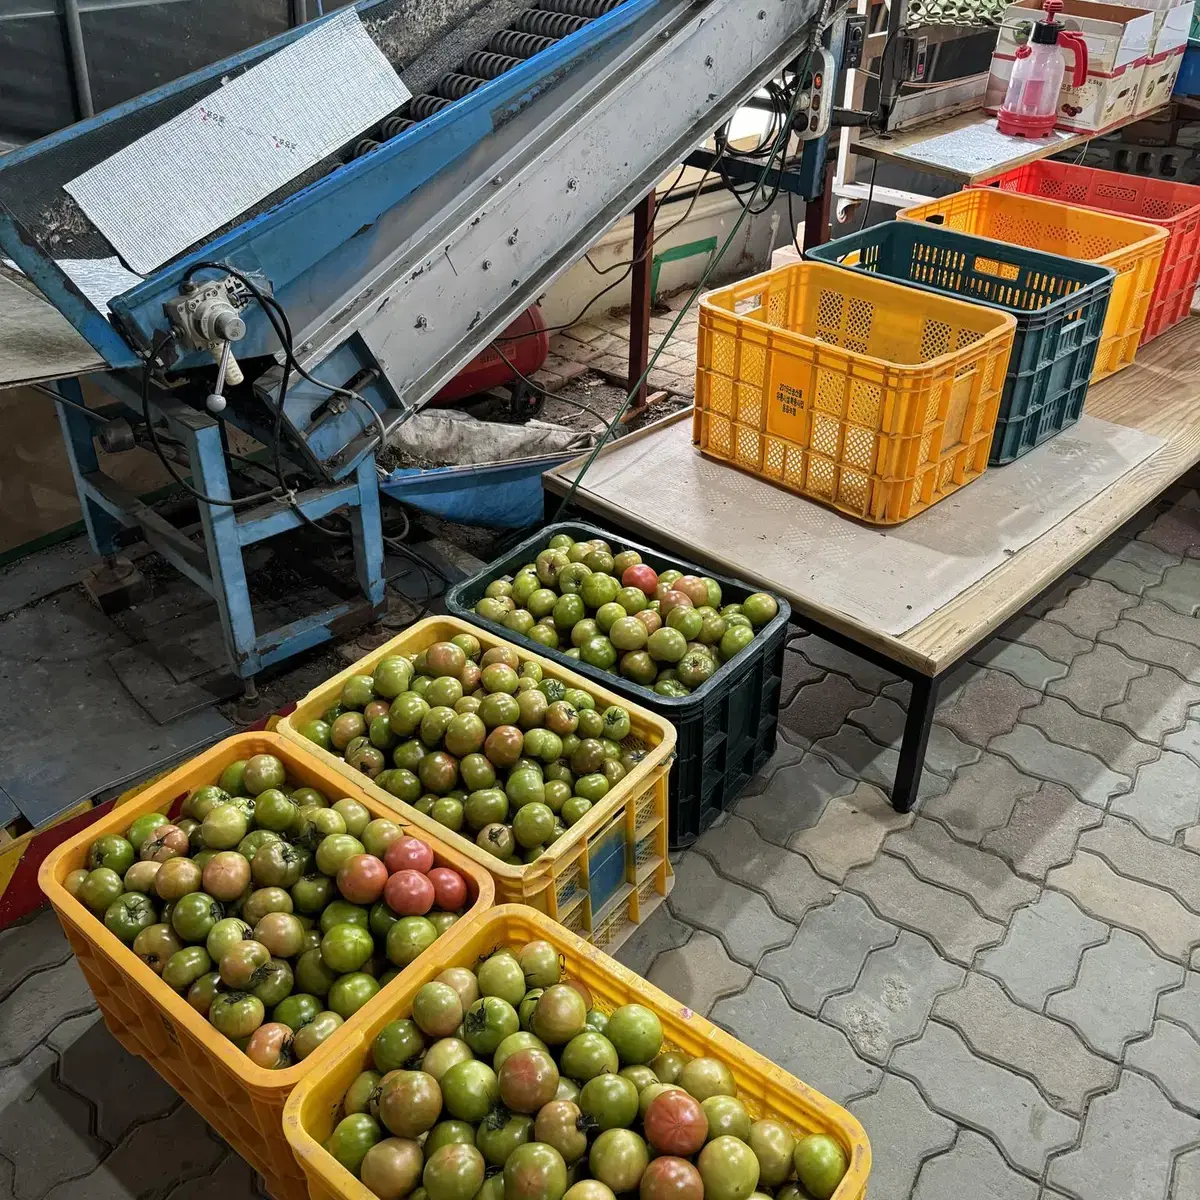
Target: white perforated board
pixel 885 578
pixel 225 153
pixel 978 147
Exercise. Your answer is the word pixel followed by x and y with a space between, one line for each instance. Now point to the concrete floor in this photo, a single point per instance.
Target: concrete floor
pixel 1003 987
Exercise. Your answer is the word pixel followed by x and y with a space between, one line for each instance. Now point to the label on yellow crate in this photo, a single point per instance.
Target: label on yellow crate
pixel 785 415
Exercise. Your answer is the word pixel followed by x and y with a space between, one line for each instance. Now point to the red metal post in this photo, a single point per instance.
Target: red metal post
pixel 639 301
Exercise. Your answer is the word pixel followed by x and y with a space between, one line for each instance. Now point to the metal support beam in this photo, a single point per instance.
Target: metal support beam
pixel 202 441
pixel 78 53
pixel 640 298
pixel 103 529
pixel 917 723
pixel 180 551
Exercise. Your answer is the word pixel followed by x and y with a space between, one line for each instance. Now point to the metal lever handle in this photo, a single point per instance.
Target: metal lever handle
pixel 215 402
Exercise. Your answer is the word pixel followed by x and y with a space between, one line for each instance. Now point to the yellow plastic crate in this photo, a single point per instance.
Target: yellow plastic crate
pixel 765 1089
pixel 241 1101
pixel 579 881
pixel 874 398
pixel 1134 249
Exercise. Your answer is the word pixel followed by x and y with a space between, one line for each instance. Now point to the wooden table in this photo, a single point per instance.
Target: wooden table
pixel 1159 394
pixel 899 148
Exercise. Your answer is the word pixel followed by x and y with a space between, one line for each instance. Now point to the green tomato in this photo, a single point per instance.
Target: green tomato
pixel 232 779
pixel 760 608
pixel 296 1010
pixel 349 993
pixel 101 888
pixel 632 600
pixel 112 851
pixel 194 915
pixel 313 975
pixel 142 828
pixel 352 1137
pixel 128 915
pixel 311 893
pixel 735 639
pixel 236 1014
pixel 345 948
pixel 470 1090
pixel 535 1171
pixel 335 850
pixel 408 939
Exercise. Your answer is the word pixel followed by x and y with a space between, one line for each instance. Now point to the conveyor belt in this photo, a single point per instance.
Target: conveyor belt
pixel 443 51
pixel 532 31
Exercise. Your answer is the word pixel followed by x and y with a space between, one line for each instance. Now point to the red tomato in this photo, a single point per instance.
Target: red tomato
pixel 361 878
pixel 641 576
pixel 675 1124
pixel 409 894
pixel 449 888
pixel 670 1178
pixel 408 854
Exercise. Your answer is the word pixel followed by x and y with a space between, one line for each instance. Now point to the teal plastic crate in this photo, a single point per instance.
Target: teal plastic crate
pixel 1059 304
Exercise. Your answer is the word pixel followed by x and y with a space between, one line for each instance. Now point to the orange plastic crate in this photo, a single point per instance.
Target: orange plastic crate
pixel 1133 249
pixel 1174 206
pixel 765 1089
pixel 241 1101
pixel 609 871
pixel 866 395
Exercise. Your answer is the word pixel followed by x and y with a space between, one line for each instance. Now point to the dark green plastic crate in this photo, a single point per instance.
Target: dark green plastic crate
pixel 1059 304
pixel 727 727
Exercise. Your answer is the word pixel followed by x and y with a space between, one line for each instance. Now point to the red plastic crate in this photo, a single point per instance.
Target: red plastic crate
pixel 1174 206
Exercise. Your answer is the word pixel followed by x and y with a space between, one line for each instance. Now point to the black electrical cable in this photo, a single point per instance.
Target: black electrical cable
pixel 426 568
pixel 258 497
pixel 51 394
pixel 870 196
pixel 792 225
pixel 618 265
pixel 512 366
pixel 278 318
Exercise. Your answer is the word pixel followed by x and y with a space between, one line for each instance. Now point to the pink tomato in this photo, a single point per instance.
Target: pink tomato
pixel 641 576
pixel 409 894
pixel 449 888
pixel 408 854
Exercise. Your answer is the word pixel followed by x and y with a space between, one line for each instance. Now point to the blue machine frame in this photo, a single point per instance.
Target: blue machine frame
pixel 219 568
pixel 313 237
pixel 360 256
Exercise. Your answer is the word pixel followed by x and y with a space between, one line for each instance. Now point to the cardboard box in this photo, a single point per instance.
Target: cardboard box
pixel 1158 78
pixel 1172 23
pixel 1119 40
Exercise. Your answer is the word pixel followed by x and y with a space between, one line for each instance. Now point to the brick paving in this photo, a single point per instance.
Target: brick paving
pixel 1004 986
pixel 601 343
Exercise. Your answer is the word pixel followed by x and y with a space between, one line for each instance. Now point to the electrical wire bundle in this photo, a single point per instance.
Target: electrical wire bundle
pixel 775 158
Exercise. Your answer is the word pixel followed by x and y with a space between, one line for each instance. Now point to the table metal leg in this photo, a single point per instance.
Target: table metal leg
pixel 921 705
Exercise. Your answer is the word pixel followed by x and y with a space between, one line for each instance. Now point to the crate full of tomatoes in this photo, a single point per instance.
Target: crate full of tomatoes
pixel 242 911
pixel 531 1068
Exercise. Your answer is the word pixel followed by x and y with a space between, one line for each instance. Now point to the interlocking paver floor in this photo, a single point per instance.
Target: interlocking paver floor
pixel 1004 987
